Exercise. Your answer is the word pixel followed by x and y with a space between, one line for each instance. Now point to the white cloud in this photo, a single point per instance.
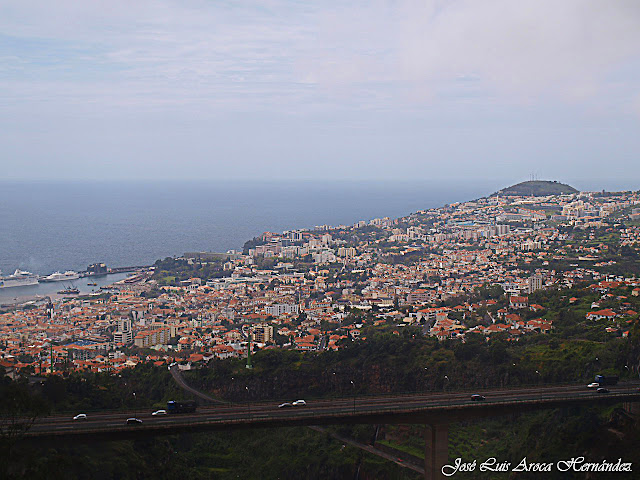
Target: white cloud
pixel 635 104
pixel 180 51
pixel 524 47
pixel 378 52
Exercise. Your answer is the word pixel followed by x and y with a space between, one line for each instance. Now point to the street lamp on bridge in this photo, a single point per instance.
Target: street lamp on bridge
pixel 353 389
pixel 248 400
pixel 426 369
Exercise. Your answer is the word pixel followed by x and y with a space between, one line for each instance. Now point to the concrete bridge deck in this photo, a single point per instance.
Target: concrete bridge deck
pixel 424 408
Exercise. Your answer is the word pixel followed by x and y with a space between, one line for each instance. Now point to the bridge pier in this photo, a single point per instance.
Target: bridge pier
pixel 436 450
pixel 633 409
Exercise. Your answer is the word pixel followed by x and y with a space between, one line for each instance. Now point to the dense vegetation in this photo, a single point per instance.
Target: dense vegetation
pixel 172 271
pixel 287 453
pixel 538 188
pixel 409 363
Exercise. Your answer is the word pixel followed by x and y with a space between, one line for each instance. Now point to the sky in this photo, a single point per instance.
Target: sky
pixel 331 90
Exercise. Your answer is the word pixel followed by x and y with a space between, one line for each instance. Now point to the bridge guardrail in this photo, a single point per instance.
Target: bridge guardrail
pixel 345 412
pixel 221 407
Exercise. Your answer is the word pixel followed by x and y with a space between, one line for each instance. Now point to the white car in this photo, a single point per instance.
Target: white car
pixel 80 416
pixel 159 412
pixel 285 405
pixel 593 385
pixel 299 403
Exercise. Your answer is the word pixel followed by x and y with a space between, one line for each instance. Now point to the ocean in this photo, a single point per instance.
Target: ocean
pixel 58 226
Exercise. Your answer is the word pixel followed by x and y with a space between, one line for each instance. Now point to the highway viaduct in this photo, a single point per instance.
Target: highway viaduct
pixel 436 410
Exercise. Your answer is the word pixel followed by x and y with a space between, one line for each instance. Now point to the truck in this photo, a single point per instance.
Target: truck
pixel 607 380
pixel 184 406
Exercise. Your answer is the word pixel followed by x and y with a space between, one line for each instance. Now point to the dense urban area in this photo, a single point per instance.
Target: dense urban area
pixel 463 269
pixel 513 289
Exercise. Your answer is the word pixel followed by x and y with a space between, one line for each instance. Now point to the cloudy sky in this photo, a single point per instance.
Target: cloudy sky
pixel 431 89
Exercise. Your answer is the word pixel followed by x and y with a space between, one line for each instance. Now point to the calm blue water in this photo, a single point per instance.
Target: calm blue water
pixel 46 227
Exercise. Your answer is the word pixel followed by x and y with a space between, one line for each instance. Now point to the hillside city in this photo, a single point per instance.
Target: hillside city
pixel 477 267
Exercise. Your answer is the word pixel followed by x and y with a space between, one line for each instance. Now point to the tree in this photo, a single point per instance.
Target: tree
pixel 19 408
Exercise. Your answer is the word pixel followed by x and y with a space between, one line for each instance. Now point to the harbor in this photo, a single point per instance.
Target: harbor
pixel 85 283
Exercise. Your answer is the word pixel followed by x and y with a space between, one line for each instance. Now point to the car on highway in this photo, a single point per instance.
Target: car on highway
pixel 133 421
pixel 602 390
pixel 159 412
pixel 80 416
pixel 478 398
pixel 299 403
pixel 593 385
pixel 285 405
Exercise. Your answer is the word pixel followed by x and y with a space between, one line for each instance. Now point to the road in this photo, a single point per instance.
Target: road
pixel 371 449
pixel 416 408
pixel 177 376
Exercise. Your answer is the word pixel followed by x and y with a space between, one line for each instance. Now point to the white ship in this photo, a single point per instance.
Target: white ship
pixel 18 279
pixel 61 277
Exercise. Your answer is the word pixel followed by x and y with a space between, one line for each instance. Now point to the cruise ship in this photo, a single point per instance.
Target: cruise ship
pixel 61 277
pixel 18 279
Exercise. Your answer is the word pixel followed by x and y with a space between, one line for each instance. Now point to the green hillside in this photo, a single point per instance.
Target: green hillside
pixel 537 188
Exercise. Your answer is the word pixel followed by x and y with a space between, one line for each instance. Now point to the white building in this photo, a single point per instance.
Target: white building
pixel 535 283
pixel 280 308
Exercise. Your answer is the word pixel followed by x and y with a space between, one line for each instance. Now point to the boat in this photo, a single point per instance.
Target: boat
pixel 19 278
pixel 93 284
pixel 61 277
pixel 71 290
